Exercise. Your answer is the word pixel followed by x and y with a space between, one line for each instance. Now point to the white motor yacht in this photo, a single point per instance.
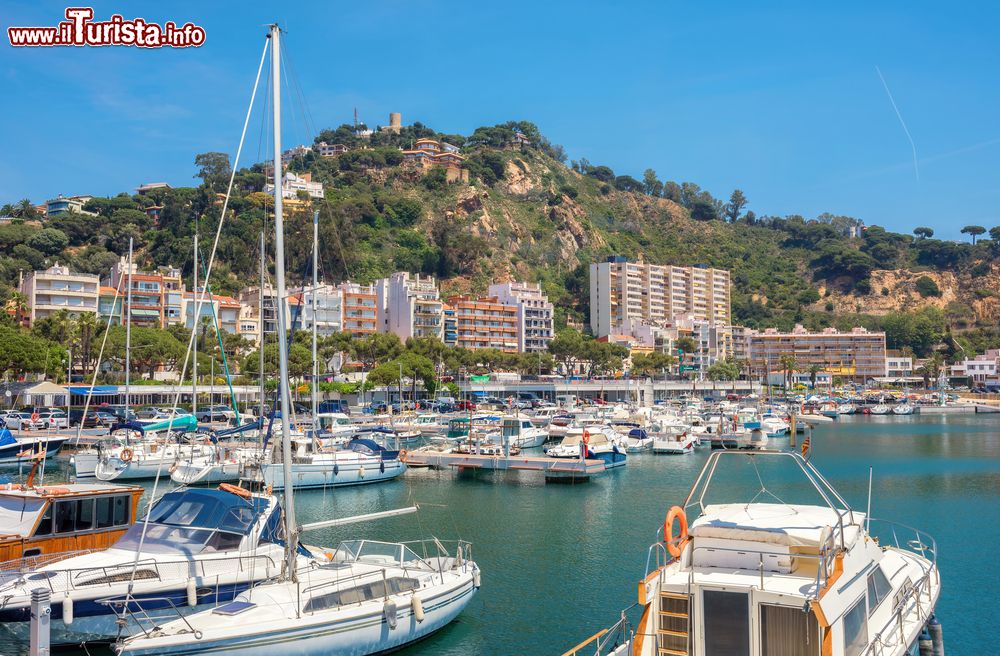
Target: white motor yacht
pixel 598 442
pixel 754 578
pixel 675 444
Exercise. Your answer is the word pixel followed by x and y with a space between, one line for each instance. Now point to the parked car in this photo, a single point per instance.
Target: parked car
pixel 51 419
pixel 20 420
pixel 107 419
pixel 90 419
pixel 215 413
pixel 120 411
pixel 151 413
pixel 465 406
pixel 336 405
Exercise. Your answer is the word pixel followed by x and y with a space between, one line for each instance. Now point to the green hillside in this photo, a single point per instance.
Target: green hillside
pixel 525 214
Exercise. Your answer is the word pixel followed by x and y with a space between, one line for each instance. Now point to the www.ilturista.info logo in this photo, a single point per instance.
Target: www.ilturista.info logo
pixel 79 29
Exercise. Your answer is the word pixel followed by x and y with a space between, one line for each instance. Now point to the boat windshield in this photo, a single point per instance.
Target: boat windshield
pixel 195 521
pixel 377 553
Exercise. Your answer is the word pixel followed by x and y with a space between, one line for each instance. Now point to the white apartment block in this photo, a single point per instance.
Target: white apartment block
pixel 213 309
pixel 535 314
pixel 898 366
pixel 329 309
pixel 655 294
pixel 292 184
pixel 410 306
pixel 982 368
pixel 56 288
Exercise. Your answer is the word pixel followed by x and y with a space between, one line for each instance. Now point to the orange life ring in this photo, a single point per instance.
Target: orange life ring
pixel 34 417
pixel 402 454
pixel 235 489
pixel 586 437
pixel 126 454
pixel 674 546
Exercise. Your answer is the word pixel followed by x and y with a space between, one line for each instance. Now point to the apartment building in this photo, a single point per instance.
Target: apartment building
pixel 249 324
pixel 263 311
pixel 109 305
pixel 213 309
pixel 485 322
pixel 410 306
pixel 535 314
pixel 173 295
pixel 898 366
pixel 359 309
pixel 329 308
pixel 655 294
pixel 714 342
pixel 149 294
pixel 330 150
pixel 56 289
pixel 450 326
pixel 855 355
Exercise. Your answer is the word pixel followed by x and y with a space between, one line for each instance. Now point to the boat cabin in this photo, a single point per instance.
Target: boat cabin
pixel 46 520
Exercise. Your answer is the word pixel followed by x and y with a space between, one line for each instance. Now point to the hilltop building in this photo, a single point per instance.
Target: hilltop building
pixel 430 153
pixel 292 184
pixel 63 204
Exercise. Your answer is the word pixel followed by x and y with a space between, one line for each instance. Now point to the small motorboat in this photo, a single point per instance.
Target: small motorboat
pixel 675 444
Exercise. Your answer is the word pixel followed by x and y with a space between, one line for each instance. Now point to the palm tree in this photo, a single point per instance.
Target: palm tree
pixel 788 366
pixel 17 306
pixel 814 370
pixel 84 330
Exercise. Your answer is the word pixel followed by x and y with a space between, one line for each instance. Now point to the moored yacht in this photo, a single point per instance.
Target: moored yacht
pixel 593 442
pixel 757 578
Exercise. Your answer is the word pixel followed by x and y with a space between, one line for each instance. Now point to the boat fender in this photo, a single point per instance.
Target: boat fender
pixel 389 613
pixel 192 593
pixel 336 469
pixel 53 491
pixel 418 608
pixel 937 636
pixel 477 579
pixel 361 471
pixel 925 643
pixel 381 467
pixel 67 610
pixel 173 468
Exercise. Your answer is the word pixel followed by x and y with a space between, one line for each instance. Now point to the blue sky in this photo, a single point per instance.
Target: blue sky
pixel 780 100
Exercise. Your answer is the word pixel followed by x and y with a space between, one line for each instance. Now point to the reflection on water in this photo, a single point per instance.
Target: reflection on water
pixel 560 561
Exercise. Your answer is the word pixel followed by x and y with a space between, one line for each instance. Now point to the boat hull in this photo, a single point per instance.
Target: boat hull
pixel 360 634
pixel 9 453
pixel 326 475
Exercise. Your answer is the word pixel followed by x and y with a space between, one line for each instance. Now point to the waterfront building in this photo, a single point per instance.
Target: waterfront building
pixel 292 184
pixel 359 314
pixel 857 355
pixel 329 308
pixel 980 369
pixel 898 366
pixel 213 308
pixel 109 304
pixel 485 322
pixel 57 288
pixel 535 314
pixel 63 204
pixel 410 306
pixel 655 294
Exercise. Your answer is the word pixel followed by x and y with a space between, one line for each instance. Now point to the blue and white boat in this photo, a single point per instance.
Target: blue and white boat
pixel 592 443
pixel 201 548
pixel 361 462
pixel 21 449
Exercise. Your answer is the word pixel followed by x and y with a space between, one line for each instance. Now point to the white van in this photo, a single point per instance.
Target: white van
pixel 566 400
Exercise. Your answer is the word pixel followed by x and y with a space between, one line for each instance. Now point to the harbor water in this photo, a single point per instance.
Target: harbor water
pixel 560 561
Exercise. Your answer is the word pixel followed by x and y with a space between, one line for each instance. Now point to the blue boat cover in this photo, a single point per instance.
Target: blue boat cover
pixel 6 439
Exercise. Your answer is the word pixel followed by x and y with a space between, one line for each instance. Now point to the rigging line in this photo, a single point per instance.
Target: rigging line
pixel 100 357
pixel 303 107
pixel 913 146
pixel 197 312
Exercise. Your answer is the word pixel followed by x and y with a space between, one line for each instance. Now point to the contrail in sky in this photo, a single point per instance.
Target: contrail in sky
pixel 913 146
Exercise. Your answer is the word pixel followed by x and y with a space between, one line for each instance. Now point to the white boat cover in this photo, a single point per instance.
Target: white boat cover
pixel 788 525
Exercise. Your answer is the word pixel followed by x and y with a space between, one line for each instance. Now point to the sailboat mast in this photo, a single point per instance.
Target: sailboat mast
pixel 260 332
pixel 194 327
pixel 279 278
pixel 128 329
pixel 315 380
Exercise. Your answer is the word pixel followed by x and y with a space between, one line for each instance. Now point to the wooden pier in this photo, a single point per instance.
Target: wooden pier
pixel 553 468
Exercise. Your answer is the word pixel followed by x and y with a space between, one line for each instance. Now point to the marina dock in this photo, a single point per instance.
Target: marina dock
pixel 553 468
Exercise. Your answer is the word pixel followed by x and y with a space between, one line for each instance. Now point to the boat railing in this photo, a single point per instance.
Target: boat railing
pixel 96 576
pixel 131 612
pixel 824 562
pixel 27 564
pixel 913 540
pixel 911 609
pixel 607 641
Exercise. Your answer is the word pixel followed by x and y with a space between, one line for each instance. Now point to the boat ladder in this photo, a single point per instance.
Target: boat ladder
pixel 673 625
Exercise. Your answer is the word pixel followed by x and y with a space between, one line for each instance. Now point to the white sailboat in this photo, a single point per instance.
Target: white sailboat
pixel 369 598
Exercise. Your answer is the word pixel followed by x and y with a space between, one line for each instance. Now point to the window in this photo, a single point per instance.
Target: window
pixel 878 589
pixel 362 593
pixel 65 516
pixel 121 510
pixel 85 514
pixel 788 631
pixel 45 526
pixel 856 629
pixel 727 623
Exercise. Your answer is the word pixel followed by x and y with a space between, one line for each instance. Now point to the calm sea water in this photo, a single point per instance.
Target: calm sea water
pixel 559 562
